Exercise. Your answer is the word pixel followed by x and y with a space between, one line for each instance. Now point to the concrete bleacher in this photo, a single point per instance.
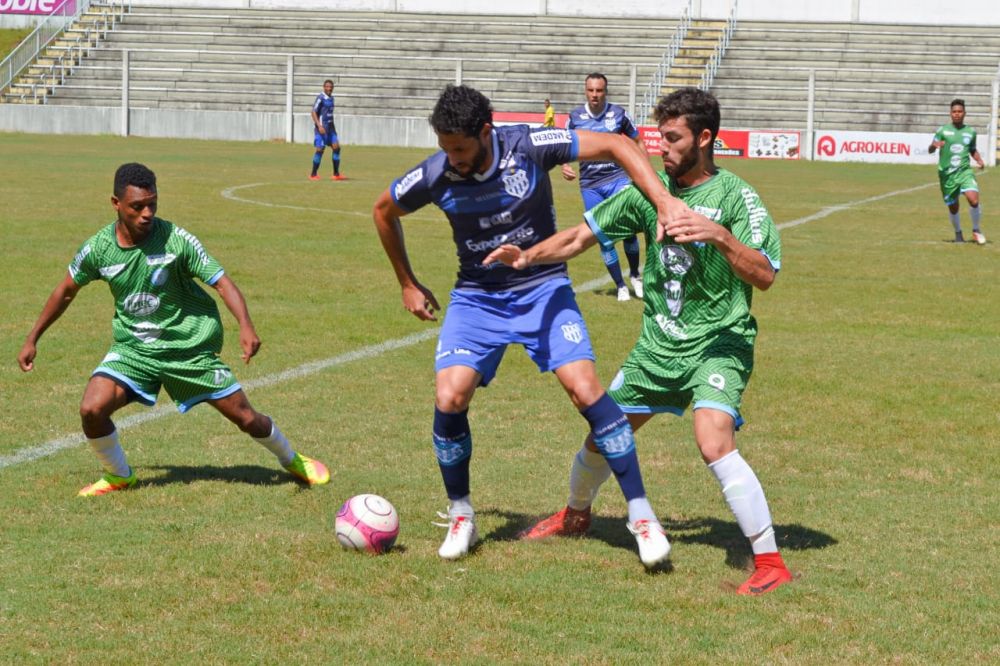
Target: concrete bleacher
pixel 868 77
pixel 381 63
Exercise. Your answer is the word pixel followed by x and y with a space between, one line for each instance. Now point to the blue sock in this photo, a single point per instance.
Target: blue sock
pixel 632 254
pixel 336 162
pixel 317 158
pixel 613 438
pixel 453 447
pixel 610 257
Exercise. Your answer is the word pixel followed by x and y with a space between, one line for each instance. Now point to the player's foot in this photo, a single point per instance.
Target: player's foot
pixel 337 176
pixel 568 522
pixel 308 470
pixel 979 237
pixel 653 545
pixel 636 286
pixel 462 536
pixel 958 237
pixel 314 177
pixel 108 483
pixel 770 574
pixel 623 293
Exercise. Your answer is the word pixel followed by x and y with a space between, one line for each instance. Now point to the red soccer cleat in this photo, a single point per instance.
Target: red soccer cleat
pixel 770 574
pixel 568 522
pixel 314 177
pixel 337 176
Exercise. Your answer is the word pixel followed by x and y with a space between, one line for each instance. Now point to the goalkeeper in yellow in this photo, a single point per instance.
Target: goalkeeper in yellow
pixel 957 143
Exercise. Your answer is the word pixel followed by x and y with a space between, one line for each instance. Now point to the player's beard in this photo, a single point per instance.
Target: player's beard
pixel 477 162
pixel 684 167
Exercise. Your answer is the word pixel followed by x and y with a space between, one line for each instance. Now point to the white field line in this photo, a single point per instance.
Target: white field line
pixel 53 446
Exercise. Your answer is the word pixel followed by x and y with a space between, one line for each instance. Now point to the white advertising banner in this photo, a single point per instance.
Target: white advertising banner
pixel 897 147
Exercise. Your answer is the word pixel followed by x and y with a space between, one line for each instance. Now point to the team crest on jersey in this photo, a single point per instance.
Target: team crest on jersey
pixel 159 277
pixel 516 183
pixel 573 332
pixel 609 122
pixel 967 139
pixel 141 304
pixel 677 259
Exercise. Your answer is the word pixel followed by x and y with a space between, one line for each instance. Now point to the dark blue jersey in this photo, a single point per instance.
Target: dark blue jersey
pixel 612 120
pixel 323 107
pixel 510 203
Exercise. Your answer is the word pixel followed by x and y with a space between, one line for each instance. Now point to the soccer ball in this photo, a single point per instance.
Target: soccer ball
pixel 367 522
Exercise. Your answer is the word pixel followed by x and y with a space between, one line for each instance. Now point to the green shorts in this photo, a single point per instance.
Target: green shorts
pixel 188 379
pixel 649 383
pixel 955 184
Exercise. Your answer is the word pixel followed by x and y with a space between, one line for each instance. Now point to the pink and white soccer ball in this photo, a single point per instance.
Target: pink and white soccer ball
pixel 367 522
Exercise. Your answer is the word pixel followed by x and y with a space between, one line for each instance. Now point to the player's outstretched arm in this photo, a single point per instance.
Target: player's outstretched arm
pixel 553 250
pixel 233 298
pixel 635 161
pixel 58 301
pixel 417 299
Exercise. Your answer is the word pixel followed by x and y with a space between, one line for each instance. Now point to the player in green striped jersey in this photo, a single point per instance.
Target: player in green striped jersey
pixel 957 142
pixel 697 339
pixel 166 331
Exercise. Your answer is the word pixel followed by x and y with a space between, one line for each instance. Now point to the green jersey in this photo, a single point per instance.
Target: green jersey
pixel 959 144
pixel 159 309
pixel 692 296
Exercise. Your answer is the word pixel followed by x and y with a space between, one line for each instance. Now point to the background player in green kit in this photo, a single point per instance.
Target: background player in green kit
pixel 957 142
pixel 167 331
pixel 697 339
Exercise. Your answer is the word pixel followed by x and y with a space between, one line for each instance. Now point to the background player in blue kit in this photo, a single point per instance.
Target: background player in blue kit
pixel 599 179
pixel 492 184
pixel 325 131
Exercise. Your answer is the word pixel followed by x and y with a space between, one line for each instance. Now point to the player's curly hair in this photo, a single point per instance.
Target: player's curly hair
pixel 461 110
pixel 699 109
pixel 136 175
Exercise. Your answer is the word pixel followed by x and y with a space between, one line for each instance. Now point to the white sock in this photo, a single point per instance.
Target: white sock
pixel 956 221
pixel 109 452
pixel 640 509
pixel 745 496
pixel 461 507
pixel 974 215
pixel 588 472
pixel 277 444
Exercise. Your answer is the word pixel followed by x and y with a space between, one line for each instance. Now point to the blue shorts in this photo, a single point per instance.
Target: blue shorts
pixel 545 319
pixel 325 140
pixel 595 195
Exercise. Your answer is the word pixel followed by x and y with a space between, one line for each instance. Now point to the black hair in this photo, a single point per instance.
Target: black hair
pixel 461 110
pixel 698 107
pixel 958 102
pixel 330 81
pixel 598 75
pixel 136 175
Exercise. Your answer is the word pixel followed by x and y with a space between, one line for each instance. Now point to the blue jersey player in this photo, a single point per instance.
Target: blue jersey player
pixel 492 184
pixel 599 179
pixel 325 132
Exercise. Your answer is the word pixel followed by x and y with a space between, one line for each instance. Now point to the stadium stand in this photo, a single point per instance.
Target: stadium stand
pixel 382 63
pixel 868 77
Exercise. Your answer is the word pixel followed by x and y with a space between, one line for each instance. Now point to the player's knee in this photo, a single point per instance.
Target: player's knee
pixel 714 449
pixel 452 401
pixel 94 411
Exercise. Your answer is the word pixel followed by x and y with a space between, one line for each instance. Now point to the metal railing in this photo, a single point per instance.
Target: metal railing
pixel 48 29
pixel 652 93
pixel 712 66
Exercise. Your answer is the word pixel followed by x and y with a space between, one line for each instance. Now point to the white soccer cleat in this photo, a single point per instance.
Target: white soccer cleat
pixel 636 286
pixel 979 237
pixel 654 548
pixel 462 536
pixel 623 294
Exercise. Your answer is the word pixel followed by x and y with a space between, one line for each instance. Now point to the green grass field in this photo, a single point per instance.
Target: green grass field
pixel 872 422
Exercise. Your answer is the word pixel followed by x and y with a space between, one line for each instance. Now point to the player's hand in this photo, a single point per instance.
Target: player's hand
pixel 668 211
pixel 26 358
pixel 249 342
pixel 937 144
pixel 690 227
pixel 420 302
pixel 507 254
pixel 568 173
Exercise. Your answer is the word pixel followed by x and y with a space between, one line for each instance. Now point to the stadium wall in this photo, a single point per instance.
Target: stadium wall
pixel 920 12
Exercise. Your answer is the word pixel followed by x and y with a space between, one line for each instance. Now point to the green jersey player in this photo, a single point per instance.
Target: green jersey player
pixel 166 331
pixel 957 142
pixel 697 339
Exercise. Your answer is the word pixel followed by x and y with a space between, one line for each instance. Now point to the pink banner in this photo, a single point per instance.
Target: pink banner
pixel 37 7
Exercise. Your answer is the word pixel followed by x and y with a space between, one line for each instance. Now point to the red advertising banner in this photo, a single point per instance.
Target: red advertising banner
pixel 37 7
pixel 501 118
